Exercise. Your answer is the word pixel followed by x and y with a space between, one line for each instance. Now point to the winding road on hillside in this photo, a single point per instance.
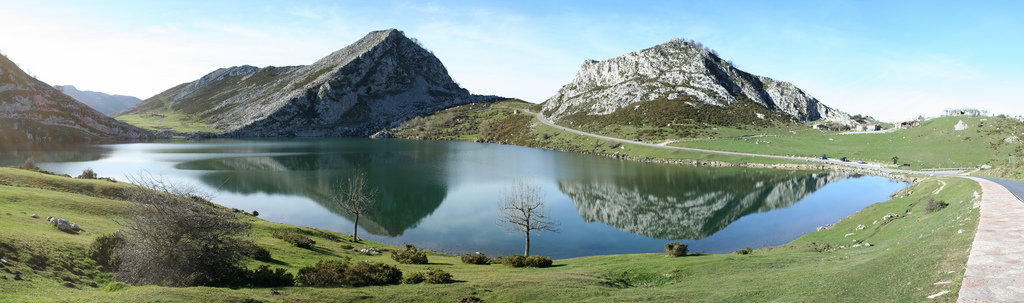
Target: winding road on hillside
pixel 544 120
pixel 995 266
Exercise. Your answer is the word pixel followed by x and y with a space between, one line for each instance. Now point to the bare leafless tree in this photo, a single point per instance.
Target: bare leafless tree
pixel 355 196
pixel 521 209
pixel 174 236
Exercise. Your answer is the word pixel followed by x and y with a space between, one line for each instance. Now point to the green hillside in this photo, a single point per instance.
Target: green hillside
pixel 933 144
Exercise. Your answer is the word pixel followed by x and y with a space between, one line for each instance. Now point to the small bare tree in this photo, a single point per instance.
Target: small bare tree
pixel 355 197
pixel 521 209
pixel 174 236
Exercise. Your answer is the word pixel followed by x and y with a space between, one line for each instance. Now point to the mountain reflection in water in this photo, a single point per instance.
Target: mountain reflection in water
pixel 665 203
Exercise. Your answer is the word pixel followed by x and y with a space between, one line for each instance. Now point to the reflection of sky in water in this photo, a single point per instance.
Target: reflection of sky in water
pixel 470 176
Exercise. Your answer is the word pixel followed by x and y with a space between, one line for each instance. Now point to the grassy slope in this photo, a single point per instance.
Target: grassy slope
pixel 908 255
pixel 934 144
pixel 464 123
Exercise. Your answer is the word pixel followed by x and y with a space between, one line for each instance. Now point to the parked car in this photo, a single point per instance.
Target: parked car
pixel 859 161
pixel 823 157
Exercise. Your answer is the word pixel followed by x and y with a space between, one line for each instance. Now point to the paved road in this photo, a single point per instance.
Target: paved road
pixel 995 272
pixel 805 159
pixel 1015 188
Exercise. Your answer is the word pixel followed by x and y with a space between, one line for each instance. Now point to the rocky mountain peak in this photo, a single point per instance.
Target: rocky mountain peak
pixel 674 70
pixel 374 83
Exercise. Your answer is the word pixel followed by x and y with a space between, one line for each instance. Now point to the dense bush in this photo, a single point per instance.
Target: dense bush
pixel 297 240
pixel 476 258
pixel 538 261
pixel 410 255
pixel 514 261
pixel 343 272
pixel 675 249
pixel 438 276
pixel 935 205
pixel 433 276
pixel 88 173
pixel 745 251
pixel 103 248
pixel 521 261
pixel 259 253
pixel 262 277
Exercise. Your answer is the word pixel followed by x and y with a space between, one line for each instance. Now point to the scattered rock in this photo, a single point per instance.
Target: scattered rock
pixel 960 231
pixel 960 125
pixel 866 244
pixel 821 228
pixel 35 216
pixel 849 234
pixel 855 246
pixel 890 215
pixel 62 224
pixel 17 277
pixel 942 282
pixel 255 213
pixel 861 227
pixel 469 299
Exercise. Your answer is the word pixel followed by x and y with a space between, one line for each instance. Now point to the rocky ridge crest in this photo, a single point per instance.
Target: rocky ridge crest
pixel 680 68
pixel 375 83
pixel 32 111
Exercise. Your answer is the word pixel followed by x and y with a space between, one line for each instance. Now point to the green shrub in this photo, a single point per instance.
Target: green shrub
pixel 477 258
pixel 265 277
pixel 675 249
pixel 410 255
pixel 935 205
pixel 433 276
pixel 415 278
pixel 116 286
pixel 103 250
pixel 538 261
pixel 342 272
pixel 745 251
pixel 514 261
pixel 259 253
pixel 438 276
pixel 297 240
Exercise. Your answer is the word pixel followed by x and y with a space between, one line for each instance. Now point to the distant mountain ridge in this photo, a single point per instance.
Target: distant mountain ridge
pixel 34 112
pixel 682 71
pixel 375 83
pixel 104 103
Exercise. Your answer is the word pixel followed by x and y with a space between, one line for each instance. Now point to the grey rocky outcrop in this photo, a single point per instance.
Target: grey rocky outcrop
pixel 676 69
pixel 960 125
pixel 32 111
pixel 375 83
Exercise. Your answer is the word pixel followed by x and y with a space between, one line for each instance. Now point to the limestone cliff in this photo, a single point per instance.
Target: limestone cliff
pixel 377 82
pixel 672 71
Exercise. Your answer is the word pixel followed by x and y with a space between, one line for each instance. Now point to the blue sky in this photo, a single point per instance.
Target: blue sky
pixel 893 60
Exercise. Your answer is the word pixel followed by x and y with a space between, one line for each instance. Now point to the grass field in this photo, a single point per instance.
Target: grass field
pixel 906 258
pixel 174 122
pixel 934 144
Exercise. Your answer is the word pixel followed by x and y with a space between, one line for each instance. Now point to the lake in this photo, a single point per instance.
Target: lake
pixel 443 195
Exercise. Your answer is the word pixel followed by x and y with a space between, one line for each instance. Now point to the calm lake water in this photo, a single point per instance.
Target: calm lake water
pixel 443 195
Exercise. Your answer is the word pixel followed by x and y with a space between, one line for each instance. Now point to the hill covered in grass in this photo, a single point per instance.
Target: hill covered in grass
pixel 891 251
pixel 934 144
